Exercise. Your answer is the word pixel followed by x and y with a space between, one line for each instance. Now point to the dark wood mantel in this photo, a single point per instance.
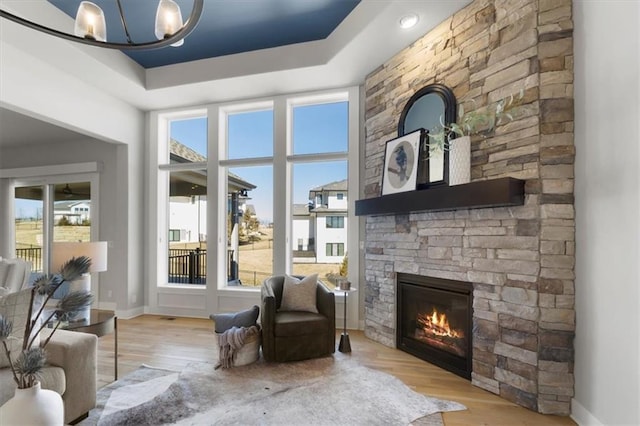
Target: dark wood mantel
pixel 480 194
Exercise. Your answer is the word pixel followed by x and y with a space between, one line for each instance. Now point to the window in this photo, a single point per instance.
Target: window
pixel 52 211
pixel 335 249
pixel 274 171
pixel 188 141
pixel 250 134
pixel 185 178
pixel 249 223
pixel 187 224
pixel 320 127
pixel 319 173
pixel 335 221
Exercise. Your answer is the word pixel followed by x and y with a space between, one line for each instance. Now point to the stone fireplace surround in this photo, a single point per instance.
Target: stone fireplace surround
pixel 520 259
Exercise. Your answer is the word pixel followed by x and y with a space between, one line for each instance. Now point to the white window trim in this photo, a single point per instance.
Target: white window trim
pixel 219 299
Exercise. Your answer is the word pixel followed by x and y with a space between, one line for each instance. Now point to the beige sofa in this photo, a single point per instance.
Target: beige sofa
pixel 14 275
pixel 72 372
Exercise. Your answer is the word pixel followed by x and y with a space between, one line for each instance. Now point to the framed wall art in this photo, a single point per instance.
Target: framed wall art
pixel 401 163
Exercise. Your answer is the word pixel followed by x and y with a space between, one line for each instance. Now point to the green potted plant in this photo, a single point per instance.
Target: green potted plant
pixel 456 137
pixel 26 367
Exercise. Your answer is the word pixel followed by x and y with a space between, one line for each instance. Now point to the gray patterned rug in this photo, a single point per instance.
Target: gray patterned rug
pixel 315 392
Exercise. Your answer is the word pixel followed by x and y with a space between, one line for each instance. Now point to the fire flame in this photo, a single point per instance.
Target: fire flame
pixel 437 324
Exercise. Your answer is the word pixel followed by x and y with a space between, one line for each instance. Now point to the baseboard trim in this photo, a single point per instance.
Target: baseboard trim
pixel 130 313
pixel 582 416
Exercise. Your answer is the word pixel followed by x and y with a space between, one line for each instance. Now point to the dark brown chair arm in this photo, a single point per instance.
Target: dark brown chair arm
pixel 326 303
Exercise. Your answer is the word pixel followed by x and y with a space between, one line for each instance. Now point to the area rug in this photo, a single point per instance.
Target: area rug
pixel 323 391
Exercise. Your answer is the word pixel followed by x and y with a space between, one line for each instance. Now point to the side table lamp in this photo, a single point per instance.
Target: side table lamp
pixel 96 251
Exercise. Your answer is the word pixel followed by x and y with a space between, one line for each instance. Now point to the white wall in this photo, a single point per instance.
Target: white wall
pixel 34 82
pixel 300 230
pixel 607 344
pixel 326 235
pixel 334 203
pixel 114 279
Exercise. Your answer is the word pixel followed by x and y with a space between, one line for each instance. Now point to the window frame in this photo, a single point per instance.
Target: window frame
pixel 331 218
pixel 164 298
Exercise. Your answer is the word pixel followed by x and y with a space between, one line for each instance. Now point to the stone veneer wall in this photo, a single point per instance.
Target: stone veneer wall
pixel 519 259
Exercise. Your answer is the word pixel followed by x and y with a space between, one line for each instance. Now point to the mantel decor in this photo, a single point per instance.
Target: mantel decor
pixel 431 106
pixel 401 163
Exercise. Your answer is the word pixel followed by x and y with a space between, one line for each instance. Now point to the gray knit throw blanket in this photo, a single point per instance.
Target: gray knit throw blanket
pixel 231 341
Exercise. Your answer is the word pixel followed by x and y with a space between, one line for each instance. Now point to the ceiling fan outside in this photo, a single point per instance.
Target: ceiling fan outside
pixel 69 193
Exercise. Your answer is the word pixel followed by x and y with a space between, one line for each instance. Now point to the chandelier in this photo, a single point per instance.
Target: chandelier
pixel 90 26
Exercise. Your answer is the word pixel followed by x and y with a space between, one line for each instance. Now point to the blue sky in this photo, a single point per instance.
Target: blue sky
pixel 316 129
pixel 28 208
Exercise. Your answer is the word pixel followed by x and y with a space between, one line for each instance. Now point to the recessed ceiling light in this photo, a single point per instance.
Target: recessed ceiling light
pixel 408 21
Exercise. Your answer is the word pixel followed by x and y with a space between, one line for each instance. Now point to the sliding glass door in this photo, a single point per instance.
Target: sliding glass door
pixel 53 210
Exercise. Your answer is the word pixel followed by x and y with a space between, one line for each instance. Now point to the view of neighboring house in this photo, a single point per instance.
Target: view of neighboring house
pixel 188 206
pixel 75 212
pixel 188 197
pixel 320 227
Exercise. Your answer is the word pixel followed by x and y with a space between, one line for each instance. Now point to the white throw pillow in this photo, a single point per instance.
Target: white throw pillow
pixel 299 295
pixel 15 308
pixel 14 274
pixel 4 271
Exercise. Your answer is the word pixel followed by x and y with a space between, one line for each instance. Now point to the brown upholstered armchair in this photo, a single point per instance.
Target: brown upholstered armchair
pixel 296 335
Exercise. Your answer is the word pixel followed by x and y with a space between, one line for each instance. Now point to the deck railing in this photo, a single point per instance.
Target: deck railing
pixel 33 255
pixel 187 266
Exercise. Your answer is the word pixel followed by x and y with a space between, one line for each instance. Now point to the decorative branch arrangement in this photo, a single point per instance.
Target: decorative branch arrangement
pixel 477 122
pixel 29 363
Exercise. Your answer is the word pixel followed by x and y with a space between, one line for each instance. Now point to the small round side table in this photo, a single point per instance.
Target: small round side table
pixel 345 344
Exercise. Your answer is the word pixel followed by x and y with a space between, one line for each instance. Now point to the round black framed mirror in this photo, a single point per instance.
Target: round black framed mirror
pixel 427 109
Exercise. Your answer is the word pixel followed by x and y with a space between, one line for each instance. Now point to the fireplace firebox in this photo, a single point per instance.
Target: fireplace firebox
pixel 434 321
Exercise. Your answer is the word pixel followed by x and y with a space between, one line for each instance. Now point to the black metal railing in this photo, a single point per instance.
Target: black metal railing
pixel 187 266
pixel 33 255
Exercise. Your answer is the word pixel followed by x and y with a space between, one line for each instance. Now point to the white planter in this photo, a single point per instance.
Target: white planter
pixel 33 406
pixel 460 161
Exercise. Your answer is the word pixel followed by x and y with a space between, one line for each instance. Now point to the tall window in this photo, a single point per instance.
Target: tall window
pixel 249 196
pixel 187 202
pixel 320 183
pixel 279 169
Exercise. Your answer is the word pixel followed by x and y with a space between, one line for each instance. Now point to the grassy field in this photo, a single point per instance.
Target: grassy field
pixel 29 236
pixel 256 259
pixel 29 233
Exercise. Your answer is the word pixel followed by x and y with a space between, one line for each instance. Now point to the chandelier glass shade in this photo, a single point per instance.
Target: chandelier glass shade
pixel 90 26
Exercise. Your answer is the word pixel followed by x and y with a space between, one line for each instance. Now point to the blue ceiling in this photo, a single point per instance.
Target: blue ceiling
pixel 226 26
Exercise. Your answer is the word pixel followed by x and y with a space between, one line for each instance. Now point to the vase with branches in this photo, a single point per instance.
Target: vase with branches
pixel 32 357
pixel 478 121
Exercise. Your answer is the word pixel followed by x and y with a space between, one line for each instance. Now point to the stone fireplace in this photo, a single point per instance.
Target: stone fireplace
pixel 519 260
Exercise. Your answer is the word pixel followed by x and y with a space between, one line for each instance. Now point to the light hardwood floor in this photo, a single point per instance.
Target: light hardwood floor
pixel 172 343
